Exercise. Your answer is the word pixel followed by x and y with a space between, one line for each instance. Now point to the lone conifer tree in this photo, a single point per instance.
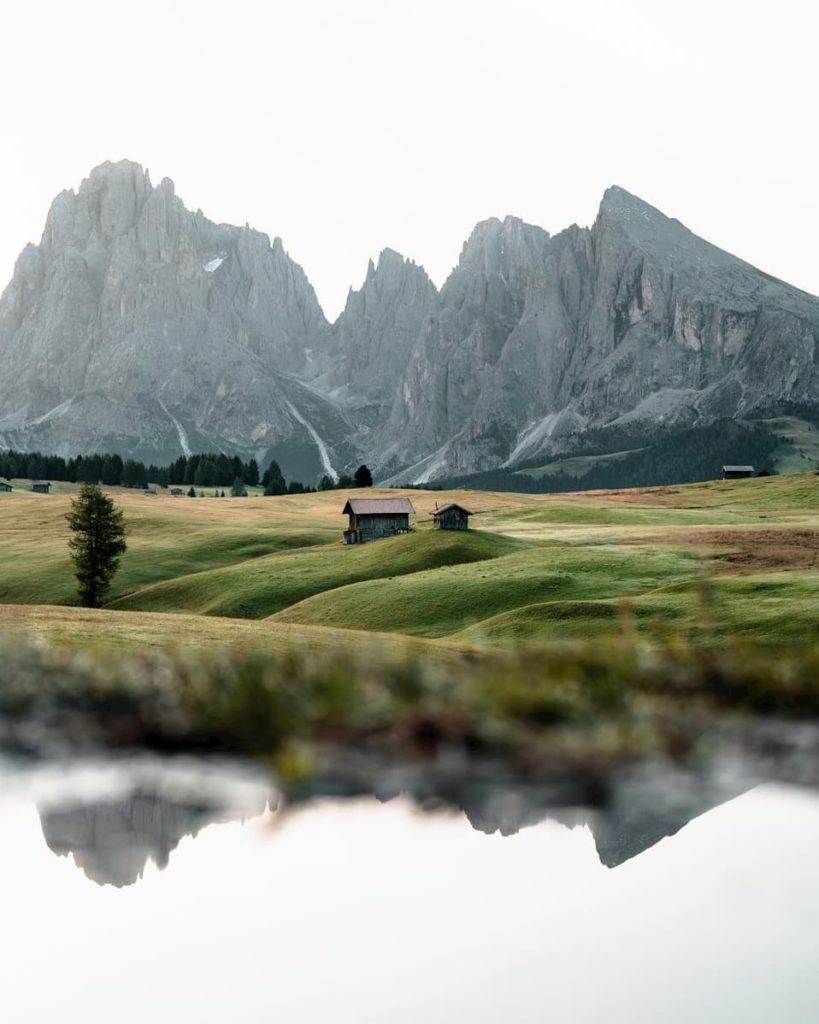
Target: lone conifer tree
pixel 97 542
pixel 363 477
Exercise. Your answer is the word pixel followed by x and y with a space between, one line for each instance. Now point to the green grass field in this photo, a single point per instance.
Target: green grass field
pixel 256 588
pixel 803 451
pixel 702 562
pixel 576 466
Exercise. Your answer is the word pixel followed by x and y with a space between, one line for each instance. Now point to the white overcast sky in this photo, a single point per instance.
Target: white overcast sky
pixel 345 126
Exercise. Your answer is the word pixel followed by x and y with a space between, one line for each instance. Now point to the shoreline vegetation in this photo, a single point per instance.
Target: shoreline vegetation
pixel 583 709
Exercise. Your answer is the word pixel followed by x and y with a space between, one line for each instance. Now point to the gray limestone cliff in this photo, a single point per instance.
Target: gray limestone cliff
pixel 636 321
pixel 138 326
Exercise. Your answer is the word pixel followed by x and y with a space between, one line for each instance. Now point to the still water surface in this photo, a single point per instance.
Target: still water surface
pixel 136 895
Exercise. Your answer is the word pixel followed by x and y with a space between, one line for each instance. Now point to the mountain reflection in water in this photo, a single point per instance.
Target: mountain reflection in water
pixel 112 841
pixel 112 838
pixel 368 908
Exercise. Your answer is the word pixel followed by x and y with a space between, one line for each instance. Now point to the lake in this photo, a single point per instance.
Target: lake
pixel 180 891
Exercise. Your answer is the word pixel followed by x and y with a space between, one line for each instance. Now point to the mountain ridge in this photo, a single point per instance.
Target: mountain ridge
pixel 140 326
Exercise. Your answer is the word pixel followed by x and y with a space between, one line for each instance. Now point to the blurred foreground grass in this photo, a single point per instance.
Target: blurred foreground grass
pixel 576 705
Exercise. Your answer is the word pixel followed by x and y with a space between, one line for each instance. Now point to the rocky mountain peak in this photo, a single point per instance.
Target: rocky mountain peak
pixel 141 327
pixel 628 217
pixel 393 274
pixel 495 244
pixel 617 199
pixel 370 343
pixel 132 302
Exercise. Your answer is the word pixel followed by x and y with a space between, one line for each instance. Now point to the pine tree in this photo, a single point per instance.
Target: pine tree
pixel 252 474
pixel 190 468
pixel 274 482
pixel 224 470
pixel 90 470
pixel 97 543
pixel 178 471
pixel 238 490
pixel 363 477
pixel 112 470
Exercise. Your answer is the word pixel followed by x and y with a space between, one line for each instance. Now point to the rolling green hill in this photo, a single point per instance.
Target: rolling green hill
pixel 537 568
pixel 440 602
pixel 770 609
pixel 259 588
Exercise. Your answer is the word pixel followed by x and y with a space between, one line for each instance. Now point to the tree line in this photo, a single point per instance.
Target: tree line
pixel 683 456
pixel 203 470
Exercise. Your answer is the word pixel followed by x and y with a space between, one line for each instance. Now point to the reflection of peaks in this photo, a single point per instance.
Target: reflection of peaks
pixel 638 813
pixel 113 841
pixel 654 806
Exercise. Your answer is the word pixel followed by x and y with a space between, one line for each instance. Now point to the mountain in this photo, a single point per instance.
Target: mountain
pixel 138 326
pixel 629 326
pixel 368 348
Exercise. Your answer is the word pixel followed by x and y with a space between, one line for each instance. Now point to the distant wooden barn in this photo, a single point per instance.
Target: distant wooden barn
pixel 41 487
pixel 736 472
pixel 177 492
pixel 374 518
pixel 5 486
pixel 451 517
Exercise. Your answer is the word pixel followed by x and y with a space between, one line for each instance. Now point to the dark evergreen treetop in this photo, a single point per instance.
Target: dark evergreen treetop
pixel 363 477
pixel 97 543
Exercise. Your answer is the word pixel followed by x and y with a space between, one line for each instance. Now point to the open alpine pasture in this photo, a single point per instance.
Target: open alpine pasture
pixel 697 563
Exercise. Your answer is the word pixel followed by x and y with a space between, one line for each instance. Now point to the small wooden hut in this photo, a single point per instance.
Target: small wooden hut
pixel 451 517
pixel 41 487
pixel 5 487
pixel 374 518
pixel 736 472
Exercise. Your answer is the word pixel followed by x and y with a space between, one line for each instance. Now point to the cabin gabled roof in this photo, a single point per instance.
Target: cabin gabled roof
pixel 737 469
pixel 378 507
pixel 452 505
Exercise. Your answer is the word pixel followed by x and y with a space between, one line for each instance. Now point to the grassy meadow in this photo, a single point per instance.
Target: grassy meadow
pixel 569 632
pixel 699 563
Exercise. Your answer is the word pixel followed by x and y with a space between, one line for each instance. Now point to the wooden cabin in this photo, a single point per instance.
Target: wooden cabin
pixel 41 486
pixel 451 517
pixel 177 492
pixel 736 472
pixel 5 487
pixel 374 518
